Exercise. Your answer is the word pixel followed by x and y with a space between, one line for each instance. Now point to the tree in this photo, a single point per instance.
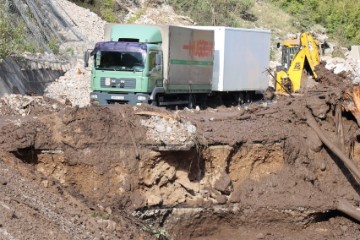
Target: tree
pixel 340 18
pixel 213 12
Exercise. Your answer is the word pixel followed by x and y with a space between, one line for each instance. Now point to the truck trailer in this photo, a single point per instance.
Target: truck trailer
pixel 179 65
pixel 241 57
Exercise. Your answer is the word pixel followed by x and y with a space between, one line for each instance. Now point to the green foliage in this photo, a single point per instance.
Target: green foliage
pixel 8 33
pixel 159 233
pixel 13 34
pixel 338 53
pixel 339 17
pixel 102 215
pixel 137 15
pixel 272 54
pixel 213 12
pixel 54 45
pixel 342 19
pixel 105 9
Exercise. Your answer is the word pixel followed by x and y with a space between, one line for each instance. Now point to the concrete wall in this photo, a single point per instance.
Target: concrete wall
pixel 24 76
pixel 355 52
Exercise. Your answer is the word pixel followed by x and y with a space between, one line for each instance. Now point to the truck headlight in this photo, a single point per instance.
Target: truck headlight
pixel 141 98
pixel 93 96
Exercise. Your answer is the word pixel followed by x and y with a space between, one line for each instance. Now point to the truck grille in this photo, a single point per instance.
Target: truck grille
pixel 128 83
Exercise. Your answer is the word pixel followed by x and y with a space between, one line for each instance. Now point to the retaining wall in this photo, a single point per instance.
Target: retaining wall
pixel 25 76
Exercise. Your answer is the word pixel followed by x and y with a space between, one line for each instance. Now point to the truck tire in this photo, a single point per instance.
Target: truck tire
pixel 239 98
pixel 155 102
pixel 202 101
pixel 192 101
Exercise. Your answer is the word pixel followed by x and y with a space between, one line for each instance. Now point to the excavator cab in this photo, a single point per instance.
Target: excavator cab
pixel 287 55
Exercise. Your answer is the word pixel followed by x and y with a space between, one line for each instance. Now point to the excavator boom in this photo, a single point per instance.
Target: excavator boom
pixel 299 58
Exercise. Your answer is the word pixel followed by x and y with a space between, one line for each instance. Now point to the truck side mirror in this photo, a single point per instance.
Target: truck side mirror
pixel 86 57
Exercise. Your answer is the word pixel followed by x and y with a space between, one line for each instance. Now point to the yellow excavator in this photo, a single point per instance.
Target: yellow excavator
pixel 299 58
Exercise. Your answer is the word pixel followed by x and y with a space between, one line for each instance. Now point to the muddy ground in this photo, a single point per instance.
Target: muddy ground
pixel 256 171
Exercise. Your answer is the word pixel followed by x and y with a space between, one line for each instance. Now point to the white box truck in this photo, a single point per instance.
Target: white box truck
pixel 178 64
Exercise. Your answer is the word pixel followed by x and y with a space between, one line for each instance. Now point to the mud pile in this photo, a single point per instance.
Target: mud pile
pixel 256 171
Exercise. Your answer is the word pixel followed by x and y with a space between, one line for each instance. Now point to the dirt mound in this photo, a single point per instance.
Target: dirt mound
pixel 215 173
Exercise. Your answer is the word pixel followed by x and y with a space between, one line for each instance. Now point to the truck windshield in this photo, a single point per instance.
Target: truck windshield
pixel 119 61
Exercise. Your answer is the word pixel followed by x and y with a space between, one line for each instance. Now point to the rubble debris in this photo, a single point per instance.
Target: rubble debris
pixel 23 105
pixel 168 132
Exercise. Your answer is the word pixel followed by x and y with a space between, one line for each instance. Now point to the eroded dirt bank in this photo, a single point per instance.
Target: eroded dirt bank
pixel 252 172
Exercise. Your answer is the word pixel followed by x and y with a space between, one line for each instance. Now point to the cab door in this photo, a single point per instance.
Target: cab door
pixel 155 70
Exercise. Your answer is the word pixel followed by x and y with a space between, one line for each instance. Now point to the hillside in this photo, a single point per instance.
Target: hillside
pixel 281 168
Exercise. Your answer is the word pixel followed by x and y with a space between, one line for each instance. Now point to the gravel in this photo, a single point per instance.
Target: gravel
pixel 351 65
pixel 169 132
pixel 75 84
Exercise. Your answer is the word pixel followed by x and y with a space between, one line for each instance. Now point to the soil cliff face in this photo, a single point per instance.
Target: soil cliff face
pixel 256 171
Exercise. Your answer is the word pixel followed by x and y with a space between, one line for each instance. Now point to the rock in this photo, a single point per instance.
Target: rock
pixel 162 171
pixel 153 198
pixel 68 102
pixel 322 166
pixel 344 228
pixel 173 195
pixel 221 199
pixel 191 128
pixel 168 132
pixel 108 210
pixel 108 225
pixel 222 183
pixel 160 128
pixel 260 236
pixel 318 107
pixel 45 183
pixel 313 141
pixel 183 180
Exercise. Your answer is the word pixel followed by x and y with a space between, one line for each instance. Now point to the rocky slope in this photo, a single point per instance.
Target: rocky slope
pixel 256 171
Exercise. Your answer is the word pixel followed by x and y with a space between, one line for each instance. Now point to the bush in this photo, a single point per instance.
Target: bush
pixel 340 18
pixel 8 33
pixel 105 8
pixel 107 11
pixel 13 34
pixel 54 45
pixel 213 12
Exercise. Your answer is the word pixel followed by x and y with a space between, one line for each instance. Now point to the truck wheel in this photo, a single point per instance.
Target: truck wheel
pixel 155 102
pixel 239 98
pixel 202 101
pixel 192 102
